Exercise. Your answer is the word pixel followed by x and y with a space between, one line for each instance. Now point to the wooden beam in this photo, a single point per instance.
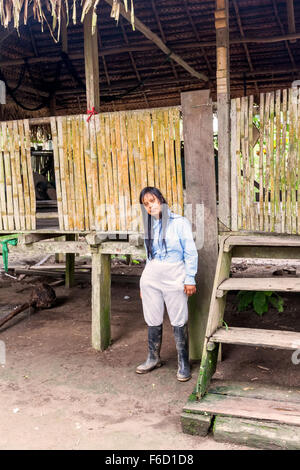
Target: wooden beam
pixel 156 40
pixel 91 58
pixel 101 298
pixel 291 17
pixel 223 100
pixel 201 201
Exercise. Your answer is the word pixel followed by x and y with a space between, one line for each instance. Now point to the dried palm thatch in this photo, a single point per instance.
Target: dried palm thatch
pixel 16 10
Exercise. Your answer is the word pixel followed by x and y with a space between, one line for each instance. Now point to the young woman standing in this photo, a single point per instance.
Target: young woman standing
pixel 168 277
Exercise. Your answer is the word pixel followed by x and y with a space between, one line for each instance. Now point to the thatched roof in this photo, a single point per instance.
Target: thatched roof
pixel 134 73
pixel 16 12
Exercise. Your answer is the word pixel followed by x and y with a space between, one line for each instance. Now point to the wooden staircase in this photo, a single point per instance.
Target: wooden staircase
pixel 247 246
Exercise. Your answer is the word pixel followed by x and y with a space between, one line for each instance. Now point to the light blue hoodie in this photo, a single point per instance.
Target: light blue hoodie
pixel 180 244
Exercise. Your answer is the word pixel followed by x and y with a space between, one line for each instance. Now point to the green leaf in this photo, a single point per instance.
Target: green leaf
pixel 246 297
pixel 260 303
pixel 277 302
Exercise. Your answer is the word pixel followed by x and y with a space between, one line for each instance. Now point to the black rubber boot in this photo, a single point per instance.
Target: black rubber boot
pixel 154 344
pixel 181 339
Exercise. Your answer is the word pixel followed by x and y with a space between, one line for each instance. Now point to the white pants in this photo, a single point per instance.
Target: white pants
pixel 164 282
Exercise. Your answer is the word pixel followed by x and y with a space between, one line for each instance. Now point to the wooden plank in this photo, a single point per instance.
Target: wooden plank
pixel 223 100
pixel 201 199
pixel 101 298
pixel 275 339
pixel 255 390
pixel 30 174
pixel 287 284
pixel 54 247
pixel 256 433
pixel 261 240
pixel 273 252
pixel 252 408
pixel 195 424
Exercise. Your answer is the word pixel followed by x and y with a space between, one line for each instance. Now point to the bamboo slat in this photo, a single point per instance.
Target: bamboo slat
pixel 172 139
pixel 25 183
pixel 261 162
pixel 277 208
pixel 283 154
pixel 293 153
pixel 14 176
pixel 251 165
pixel 88 173
pixel 178 166
pixel 57 172
pixel 234 158
pixel 18 174
pixel 62 173
pixel 4 221
pixel 113 194
pixel 8 178
pixel 124 169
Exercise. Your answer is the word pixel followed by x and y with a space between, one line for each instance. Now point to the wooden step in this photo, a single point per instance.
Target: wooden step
pixel 244 407
pixel 261 240
pixel 276 339
pixel 280 284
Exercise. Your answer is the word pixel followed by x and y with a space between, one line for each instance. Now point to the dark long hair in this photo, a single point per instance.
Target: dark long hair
pixel 148 219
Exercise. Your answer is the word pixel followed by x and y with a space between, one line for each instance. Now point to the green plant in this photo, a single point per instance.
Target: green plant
pixel 260 300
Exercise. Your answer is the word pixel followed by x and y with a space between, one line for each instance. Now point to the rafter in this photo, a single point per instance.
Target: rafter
pixel 274 2
pixel 156 39
pixel 162 34
pixel 133 62
pixel 239 21
pixel 291 16
pixel 197 35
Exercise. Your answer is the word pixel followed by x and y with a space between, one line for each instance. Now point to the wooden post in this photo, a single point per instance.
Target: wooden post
pixel 91 59
pixel 70 265
pixel 223 99
pixel 101 281
pixel 201 197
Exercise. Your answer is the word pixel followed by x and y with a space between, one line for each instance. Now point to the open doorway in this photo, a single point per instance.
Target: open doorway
pixel 42 161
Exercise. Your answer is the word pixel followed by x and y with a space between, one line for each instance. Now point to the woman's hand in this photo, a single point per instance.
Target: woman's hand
pixel 189 290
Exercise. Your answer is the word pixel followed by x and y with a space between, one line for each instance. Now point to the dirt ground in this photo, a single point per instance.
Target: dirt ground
pixel 59 393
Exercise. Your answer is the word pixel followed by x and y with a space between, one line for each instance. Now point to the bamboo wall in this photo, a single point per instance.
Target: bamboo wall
pixel 102 165
pixel 265 156
pixel 17 194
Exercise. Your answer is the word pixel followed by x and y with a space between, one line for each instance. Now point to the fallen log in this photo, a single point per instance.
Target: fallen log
pixel 42 296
